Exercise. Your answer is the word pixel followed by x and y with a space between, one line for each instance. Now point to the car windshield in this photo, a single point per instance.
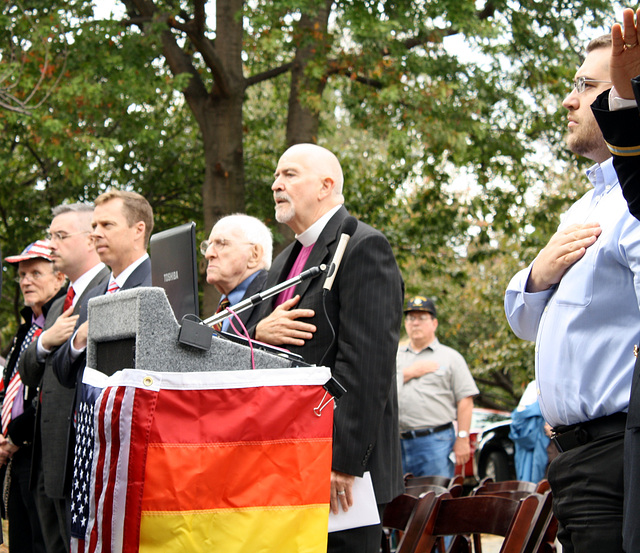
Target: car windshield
pixel 480 419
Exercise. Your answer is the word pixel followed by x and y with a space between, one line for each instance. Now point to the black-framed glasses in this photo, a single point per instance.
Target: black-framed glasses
pixel 580 84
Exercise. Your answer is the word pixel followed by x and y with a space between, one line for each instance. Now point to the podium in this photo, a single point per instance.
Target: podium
pixel 194 450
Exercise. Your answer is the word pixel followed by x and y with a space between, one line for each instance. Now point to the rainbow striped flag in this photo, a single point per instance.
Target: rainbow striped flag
pixel 232 461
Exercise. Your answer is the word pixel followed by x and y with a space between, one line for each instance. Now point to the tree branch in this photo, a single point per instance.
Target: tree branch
pixel 266 75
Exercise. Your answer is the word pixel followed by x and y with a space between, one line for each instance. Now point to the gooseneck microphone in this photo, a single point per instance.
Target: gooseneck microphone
pixel 348 228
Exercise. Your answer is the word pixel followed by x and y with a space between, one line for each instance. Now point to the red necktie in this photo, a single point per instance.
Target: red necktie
pixel 68 301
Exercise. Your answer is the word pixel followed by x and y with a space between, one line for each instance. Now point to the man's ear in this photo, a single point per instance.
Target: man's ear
pixel 328 184
pixel 256 256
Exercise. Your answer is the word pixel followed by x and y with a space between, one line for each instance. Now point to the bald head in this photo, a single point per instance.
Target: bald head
pixel 308 183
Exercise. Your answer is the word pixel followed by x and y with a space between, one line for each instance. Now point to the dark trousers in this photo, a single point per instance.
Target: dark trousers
pixel 25 535
pixel 53 513
pixel 587 486
pixel 365 539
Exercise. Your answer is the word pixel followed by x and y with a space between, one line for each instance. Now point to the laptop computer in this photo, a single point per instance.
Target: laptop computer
pixel 174 267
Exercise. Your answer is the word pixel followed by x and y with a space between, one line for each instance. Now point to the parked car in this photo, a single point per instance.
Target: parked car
pixel 495 452
pixel 481 420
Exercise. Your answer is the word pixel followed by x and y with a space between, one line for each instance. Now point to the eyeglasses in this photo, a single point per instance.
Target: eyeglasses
pixel 35 276
pixel 218 244
pixel 421 317
pixel 62 236
pixel 580 84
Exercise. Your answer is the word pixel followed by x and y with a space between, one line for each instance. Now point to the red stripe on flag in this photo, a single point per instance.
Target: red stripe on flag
pixel 144 406
pixel 245 414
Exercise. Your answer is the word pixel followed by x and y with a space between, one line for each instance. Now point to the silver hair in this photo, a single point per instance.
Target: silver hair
pixel 255 231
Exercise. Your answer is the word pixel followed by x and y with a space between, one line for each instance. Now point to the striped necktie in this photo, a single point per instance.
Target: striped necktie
pixel 15 383
pixel 223 305
pixel 113 287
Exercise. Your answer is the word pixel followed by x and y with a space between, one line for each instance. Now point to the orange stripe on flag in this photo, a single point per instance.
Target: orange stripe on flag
pixel 239 475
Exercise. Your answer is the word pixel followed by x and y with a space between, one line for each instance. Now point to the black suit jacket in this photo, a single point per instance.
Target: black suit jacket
pixel 621 131
pixel 364 308
pixel 70 373
pixel 53 433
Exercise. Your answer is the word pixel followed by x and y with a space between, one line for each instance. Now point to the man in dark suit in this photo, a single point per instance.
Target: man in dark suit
pixel 616 112
pixel 74 254
pixel 363 308
pixel 238 252
pixel 122 224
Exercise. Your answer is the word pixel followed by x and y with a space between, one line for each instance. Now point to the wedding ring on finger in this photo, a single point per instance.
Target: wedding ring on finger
pixel 342 493
pixel 628 46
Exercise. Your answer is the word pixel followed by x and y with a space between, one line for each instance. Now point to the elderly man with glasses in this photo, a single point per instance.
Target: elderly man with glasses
pixel 435 388
pixel 40 284
pixel 238 253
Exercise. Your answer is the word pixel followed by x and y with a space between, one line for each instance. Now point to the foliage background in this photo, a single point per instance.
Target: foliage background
pixel 457 157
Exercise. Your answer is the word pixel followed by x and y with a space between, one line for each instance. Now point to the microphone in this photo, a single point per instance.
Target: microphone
pixel 348 228
pixel 261 296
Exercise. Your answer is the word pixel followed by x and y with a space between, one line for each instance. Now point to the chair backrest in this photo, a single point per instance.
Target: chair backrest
pixel 506 486
pixel 408 514
pixel 444 481
pixel 517 521
pixel 418 490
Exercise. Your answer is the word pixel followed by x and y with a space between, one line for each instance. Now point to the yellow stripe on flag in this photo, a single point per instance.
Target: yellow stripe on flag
pixel 293 530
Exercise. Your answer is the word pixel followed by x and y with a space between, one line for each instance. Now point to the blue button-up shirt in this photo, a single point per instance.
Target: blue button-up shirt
pixel 586 326
pixel 235 296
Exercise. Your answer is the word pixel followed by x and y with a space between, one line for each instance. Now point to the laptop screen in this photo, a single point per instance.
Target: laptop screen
pixel 174 268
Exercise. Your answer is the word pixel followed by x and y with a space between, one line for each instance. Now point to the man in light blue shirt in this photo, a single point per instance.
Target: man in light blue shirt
pixel 579 301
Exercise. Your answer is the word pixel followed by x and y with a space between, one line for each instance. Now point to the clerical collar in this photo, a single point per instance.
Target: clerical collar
pixel 310 236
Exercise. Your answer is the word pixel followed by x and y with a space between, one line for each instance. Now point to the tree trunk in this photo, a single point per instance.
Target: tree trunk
pixel 303 120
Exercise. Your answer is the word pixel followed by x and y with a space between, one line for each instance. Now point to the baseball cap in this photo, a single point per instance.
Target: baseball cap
pixel 420 303
pixel 37 250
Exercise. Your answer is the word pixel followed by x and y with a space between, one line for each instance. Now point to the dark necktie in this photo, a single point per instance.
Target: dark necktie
pixel 223 305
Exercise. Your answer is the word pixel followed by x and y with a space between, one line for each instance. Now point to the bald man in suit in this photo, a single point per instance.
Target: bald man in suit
pixel 364 309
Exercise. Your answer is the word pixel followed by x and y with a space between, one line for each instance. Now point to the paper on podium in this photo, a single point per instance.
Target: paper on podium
pixel 363 512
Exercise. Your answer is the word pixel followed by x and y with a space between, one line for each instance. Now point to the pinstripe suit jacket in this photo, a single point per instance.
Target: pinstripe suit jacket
pixel 365 309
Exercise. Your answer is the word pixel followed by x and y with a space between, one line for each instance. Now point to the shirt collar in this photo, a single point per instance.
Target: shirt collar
pixel 238 292
pixel 81 283
pixel 603 176
pixel 310 236
pixel 124 275
pixel 432 346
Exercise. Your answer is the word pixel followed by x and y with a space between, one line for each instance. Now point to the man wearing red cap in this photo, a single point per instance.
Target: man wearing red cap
pixel 41 284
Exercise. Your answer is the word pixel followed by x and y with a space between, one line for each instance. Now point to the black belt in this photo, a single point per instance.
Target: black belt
pixel 410 434
pixel 568 437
